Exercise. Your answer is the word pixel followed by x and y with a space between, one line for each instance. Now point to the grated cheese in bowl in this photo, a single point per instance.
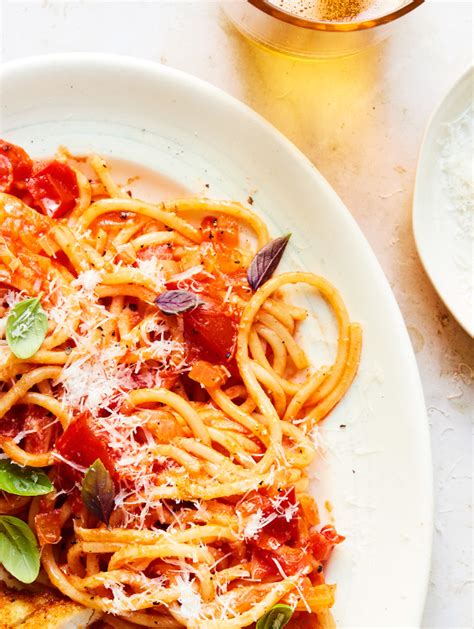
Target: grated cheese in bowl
pixel 457 170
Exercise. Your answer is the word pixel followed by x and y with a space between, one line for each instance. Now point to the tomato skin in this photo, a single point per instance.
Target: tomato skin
pixel 221 230
pixel 12 422
pixel 6 174
pixel 222 234
pixel 48 527
pixel 28 417
pixel 53 188
pixel 208 375
pixel 323 542
pixel 210 333
pixel 304 620
pixel 281 529
pixel 80 443
pixel 331 534
pixel 44 430
pixel 291 560
pixel 294 560
pixel 19 163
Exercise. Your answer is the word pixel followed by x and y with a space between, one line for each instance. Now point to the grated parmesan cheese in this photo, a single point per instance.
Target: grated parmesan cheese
pixel 123 602
pixel 189 599
pixel 457 169
pixel 256 522
pixel 13 297
pixel 87 281
pixel 92 384
pixel 152 271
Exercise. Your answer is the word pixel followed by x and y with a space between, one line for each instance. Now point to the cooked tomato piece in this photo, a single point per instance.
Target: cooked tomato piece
pixel 217 288
pixel 285 526
pixel 304 620
pixel 6 174
pixel 280 512
pixel 35 421
pixel 294 560
pixel 61 258
pixel 331 534
pixel 82 444
pixel 75 500
pixel 13 420
pixel 53 188
pixel 41 428
pixel 324 541
pixel 19 163
pixel 207 374
pixel 222 233
pixel 23 227
pixel 270 563
pixel 210 333
pixel 48 527
pixel 163 425
pixel 222 230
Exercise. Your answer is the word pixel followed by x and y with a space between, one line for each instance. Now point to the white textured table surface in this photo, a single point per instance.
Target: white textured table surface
pixel 360 120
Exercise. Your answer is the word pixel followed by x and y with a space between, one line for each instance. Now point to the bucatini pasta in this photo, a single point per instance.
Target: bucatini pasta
pixel 168 364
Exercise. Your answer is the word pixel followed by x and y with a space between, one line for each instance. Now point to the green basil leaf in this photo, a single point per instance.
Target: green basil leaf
pixel 27 325
pixel 98 491
pixel 19 552
pixel 276 618
pixel 23 481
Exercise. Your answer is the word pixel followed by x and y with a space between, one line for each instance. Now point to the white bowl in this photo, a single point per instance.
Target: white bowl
pixel 446 251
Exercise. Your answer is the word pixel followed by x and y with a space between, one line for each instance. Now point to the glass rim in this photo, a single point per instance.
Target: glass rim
pixel 318 25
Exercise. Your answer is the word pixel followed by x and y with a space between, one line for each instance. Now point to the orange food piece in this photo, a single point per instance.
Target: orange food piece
pixel 207 374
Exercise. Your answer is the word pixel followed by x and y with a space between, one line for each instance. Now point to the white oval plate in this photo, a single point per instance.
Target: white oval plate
pixel 445 251
pixel 377 470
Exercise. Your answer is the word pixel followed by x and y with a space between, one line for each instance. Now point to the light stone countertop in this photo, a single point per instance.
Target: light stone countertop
pixel 360 120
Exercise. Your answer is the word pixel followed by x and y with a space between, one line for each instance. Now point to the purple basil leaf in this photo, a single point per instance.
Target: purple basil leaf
pixel 98 491
pixel 266 261
pixel 173 302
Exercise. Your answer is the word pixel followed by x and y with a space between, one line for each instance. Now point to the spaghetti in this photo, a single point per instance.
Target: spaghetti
pixel 202 418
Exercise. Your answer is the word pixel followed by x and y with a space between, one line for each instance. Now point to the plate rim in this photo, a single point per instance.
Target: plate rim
pixel 156 69
pixel 416 211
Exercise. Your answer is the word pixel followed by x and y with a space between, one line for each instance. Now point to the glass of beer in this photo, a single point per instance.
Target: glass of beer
pixel 317 28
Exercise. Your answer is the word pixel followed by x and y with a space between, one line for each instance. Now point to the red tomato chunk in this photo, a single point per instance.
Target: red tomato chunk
pixel 82 444
pixel 15 166
pixel 324 541
pixel 53 188
pixel 6 174
pixel 48 527
pixel 210 334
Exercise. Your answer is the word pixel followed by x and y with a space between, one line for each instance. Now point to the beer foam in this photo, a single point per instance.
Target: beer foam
pixel 338 10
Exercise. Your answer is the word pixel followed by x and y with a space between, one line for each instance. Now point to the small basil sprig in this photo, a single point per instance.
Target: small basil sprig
pixel 266 261
pixel 27 325
pixel 173 302
pixel 98 491
pixel 23 481
pixel 276 618
pixel 19 552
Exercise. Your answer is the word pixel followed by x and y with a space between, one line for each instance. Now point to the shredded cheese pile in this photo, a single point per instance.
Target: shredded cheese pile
pixel 457 170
